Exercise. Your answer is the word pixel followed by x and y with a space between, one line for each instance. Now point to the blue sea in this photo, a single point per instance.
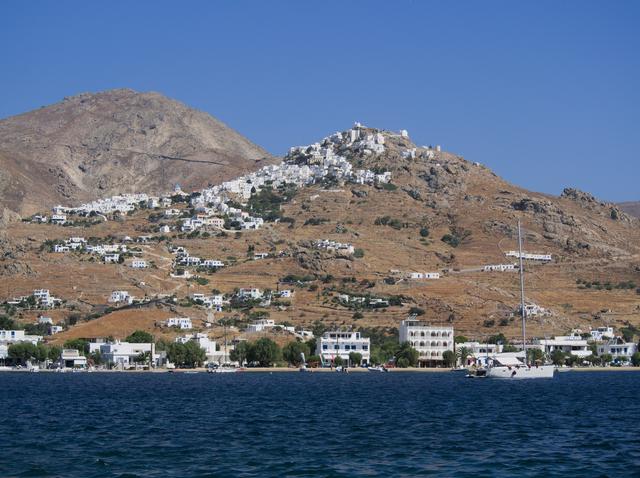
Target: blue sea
pixel 318 425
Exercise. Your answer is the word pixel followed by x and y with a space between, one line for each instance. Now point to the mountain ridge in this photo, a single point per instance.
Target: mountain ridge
pixel 99 144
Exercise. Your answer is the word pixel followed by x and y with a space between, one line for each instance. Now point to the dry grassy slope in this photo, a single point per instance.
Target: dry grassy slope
pixel 97 145
pixel 580 232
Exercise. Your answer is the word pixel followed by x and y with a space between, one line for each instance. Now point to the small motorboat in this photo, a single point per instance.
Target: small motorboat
pixel 378 368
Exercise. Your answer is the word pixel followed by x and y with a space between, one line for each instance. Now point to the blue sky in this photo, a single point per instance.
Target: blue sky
pixel 546 93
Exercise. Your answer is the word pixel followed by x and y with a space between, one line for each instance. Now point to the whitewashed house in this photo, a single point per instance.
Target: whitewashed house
pixel 602 333
pixel 570 344
pixel 72 358
pixel 620 350
pixel 210 347
pixel 250 293
pixel 183 323
pixel 124 354
pixel 212 263
pixel 261 325
pixel 139 264
pixel 59 219
pixel 120 296
pixel 111 258
pixel 499 268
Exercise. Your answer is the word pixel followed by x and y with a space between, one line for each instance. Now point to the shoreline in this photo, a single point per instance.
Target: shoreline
pixel 313 370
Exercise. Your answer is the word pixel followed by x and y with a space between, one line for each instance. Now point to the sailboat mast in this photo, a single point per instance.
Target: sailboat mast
pixel 522 308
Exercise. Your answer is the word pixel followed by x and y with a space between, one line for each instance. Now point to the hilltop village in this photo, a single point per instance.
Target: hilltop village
pixel 191 274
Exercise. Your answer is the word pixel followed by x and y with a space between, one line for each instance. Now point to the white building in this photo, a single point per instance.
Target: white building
pixel 72 358
pixel 210 347
pixel 120 296
pixel 183 323
pixel 111 258
pixel 499 268
pixel 341 344
pixel 602 333
pixel 212 263
pixel 59 219
pixel 479 353
pixel 530 257
pixel 139 264
pixel 123 354
pixel 620 350
pixel 424 275
pixel 250 293
pixel 431 341
pixel 260 325
pixel 570 344
pixel 45 320
pixel 15 336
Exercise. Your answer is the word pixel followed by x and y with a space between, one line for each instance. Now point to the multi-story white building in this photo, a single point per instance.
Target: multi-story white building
pixel 340 344
pixel 139 264
pixel 431 341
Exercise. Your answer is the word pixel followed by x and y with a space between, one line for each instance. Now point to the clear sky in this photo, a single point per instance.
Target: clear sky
pixel 546 93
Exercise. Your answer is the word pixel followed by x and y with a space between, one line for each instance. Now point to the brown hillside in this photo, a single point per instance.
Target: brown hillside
pixel 98 145
pixel 590 241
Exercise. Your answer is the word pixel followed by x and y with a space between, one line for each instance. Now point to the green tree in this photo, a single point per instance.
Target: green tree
pixel 81 345
pixel 264 351
pixel 424 232
pixel 140 337
pixel 8 324
pixel 96 357
pixel 240 352
pixel 337 361
pixel 54 353
pixel 291 352
pixel 406 356
pixel 635 359
pixel 558 357
pixel 355 358
pixel 358 253
pixel 463 354
pixel 449 358
pixel 187 355
pixel 460 339
pixel 21 352
pixel 534 355
pixel 606 359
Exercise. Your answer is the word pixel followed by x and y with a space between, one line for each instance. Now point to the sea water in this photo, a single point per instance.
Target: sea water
pixel 318 424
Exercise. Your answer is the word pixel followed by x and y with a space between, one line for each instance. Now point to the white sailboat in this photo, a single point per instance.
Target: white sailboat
pixel 511 365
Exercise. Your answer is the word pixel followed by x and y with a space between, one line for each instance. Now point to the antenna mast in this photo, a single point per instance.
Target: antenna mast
pixel 522 307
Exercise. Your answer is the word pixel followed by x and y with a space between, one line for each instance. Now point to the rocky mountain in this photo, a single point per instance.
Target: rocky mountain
pixel 97 145
pixel 631 207
pixel 440 213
